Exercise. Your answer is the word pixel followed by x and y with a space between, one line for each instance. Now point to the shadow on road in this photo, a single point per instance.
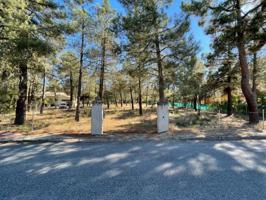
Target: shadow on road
pixel 137 170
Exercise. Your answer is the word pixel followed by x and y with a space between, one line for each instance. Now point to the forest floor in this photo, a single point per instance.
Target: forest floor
pixel 124 121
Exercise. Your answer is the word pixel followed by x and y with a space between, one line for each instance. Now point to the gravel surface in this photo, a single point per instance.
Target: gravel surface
pixel 145 169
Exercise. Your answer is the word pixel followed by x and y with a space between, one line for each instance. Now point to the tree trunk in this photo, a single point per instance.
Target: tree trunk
pixel 80 73
pixel 229 101
pixel 199 105
pixel 195 103
pixel 102 68
pixel 29 96
pixel 21 102
pixel 140 91
pixel 107 100
pixel 131 98
pixel 115 100
pixel 254 76
pixel 160 71
pixel 55 97
pixel 173 102
pixel 147 96
pixel 246 89
pixel 43 93
pixel 71 89
pixel 121 98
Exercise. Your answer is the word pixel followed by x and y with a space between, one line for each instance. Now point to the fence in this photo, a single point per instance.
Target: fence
pixel 188 105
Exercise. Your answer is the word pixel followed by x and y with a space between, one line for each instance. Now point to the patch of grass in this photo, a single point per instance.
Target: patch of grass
pixel 123 120
pixel 55 121
pixel 192 119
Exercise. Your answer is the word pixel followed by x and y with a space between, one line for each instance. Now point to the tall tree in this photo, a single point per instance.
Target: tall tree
pixel 233 22
pixel 81 24
pixel 184 69
pixel 26 27
pixel 69 71
pixel 225 75
pixel 136 72
pixel 105 39
pixel 148 29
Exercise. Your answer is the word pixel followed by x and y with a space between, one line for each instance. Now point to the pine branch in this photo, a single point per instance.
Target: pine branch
pixel 253 10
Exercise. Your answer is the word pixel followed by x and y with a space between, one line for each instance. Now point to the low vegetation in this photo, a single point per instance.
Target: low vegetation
pixel 70 53
pixel 117 121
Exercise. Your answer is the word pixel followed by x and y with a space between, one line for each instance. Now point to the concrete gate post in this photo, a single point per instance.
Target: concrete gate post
pixel 162 117
pixel 97 118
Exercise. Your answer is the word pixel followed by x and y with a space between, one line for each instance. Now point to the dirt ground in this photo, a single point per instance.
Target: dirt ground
pixel 188 123
pixel 54 121
pixel 122 120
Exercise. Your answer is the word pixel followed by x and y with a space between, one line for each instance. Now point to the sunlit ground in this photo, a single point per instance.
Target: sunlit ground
pixel 122 120
pixel 116 120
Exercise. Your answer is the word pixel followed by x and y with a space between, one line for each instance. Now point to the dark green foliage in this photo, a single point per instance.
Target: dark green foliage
pixel 152 40
pixel 234 27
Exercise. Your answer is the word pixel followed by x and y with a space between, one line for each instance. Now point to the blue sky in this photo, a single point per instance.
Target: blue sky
pixel 198 32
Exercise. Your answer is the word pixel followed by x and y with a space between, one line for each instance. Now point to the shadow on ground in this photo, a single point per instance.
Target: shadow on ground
pixel 134 170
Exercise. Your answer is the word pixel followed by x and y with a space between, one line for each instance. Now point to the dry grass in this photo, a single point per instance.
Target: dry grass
pixel 55 121
pixel 125 121
pixel 187 122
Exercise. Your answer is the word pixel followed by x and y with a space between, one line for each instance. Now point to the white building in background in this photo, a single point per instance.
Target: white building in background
pixel 55 98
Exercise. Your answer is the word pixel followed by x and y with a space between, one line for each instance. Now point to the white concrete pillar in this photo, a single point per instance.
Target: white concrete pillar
pixel 162 118
pixel 97 118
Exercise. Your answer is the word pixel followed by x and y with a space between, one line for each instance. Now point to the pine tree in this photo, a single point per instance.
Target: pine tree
pixel 26 27
pixel 81 24
pixel 232 24
pixel 148 29
pixel 225 75
pixel 68 70
pixel 105 40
